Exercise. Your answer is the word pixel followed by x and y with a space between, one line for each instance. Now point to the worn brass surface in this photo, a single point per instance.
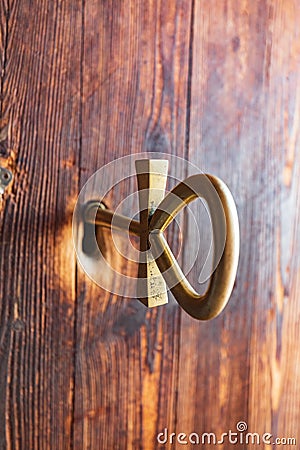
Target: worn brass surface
pixel 158 267
pixel 96 213
pixel 152 178
pixel 226 242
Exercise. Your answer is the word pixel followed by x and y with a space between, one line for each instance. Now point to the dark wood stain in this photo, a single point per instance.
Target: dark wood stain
pixel 82 83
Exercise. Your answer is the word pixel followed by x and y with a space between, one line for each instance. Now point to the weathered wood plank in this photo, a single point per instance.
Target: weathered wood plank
pixel 275 330
pixel 135 73
pixel 40 108
pixel 82 83
pixel 244 128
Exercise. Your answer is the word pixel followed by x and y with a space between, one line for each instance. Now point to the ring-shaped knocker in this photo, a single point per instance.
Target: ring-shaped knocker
pixel 225 226
pixel 158 269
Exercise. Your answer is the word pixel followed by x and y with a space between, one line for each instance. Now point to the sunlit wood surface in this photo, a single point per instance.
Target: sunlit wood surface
pixel 81 83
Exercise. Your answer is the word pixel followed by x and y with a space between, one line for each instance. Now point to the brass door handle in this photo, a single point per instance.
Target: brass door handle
pixel 158 268
pixel 225 231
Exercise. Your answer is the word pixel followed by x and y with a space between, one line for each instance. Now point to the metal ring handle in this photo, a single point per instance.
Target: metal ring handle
pixel 225 233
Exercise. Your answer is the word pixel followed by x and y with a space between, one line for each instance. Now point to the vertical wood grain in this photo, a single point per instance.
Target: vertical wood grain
pixel 244 128
pixel 40 116
pixel 135 70
pixel 85 82
pixel 275 331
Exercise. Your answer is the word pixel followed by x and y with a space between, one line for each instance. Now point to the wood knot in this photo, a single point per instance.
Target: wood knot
pixel 158 141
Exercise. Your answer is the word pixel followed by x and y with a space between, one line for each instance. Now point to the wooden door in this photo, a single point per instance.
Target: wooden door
pixel 83 82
